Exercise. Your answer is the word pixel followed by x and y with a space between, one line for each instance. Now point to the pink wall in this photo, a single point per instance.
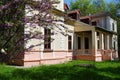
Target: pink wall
pixel 33 58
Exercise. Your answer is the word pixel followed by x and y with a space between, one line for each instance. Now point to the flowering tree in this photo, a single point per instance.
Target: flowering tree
pixel 13 19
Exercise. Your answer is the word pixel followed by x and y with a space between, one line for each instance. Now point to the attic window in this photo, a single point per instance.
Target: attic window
pixel 73 16
pixel 85 20
pixel 94 23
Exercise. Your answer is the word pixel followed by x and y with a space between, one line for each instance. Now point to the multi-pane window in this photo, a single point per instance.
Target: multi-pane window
pixel 47 39
pixel 69 42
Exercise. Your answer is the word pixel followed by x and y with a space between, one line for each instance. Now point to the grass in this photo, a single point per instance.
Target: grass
pixel 66 71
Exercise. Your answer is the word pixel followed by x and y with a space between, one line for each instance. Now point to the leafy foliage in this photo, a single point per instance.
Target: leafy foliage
pixel 13 18
pixel 89 6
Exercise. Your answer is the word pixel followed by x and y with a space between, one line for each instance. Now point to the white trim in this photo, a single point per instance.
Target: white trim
pixel 103 42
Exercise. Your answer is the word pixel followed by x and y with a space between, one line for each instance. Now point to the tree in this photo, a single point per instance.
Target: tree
pixel 89 6
pixel 83 5
pixel 13 20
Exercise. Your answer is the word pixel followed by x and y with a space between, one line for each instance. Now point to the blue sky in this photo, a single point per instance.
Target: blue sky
pixel 68 1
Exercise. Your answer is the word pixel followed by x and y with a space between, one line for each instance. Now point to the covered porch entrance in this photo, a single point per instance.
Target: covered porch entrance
pixel 84 48
pixel 84 42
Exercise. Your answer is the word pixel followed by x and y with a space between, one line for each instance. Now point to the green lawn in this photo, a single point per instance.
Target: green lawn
pixel 66 71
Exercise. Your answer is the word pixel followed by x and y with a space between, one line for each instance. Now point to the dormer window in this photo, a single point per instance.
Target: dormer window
pixel 74 14
pixel 94 23
pixel 86 20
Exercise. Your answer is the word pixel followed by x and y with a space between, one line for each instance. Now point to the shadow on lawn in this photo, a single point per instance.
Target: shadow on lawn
pixel 64 73
pixel 4 77
pixel 114 72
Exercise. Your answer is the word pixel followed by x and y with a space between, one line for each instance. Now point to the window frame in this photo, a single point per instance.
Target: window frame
pixel 47 39
pixel 69 42
pixel 113 26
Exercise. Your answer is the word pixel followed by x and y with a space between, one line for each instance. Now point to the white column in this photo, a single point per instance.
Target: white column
pixel 94 46
pixel 83 44
pixel 102 41
pixel 94 41
pixel 108 41
pixel 53 47
pixel 112 42
pixel 75 42
pixel 41 46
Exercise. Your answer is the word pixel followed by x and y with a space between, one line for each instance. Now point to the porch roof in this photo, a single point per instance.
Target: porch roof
pixel 105 30
pixel 80 26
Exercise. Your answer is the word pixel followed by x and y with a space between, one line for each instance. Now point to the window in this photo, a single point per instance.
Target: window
pixel 94 23
pixel 98 41
pixel 47 41
pixel 104 41
pixel 97 33
pixel 79 42
pixel 87 21
pixel 114 46
pixel 98 44
pixel 113 28
pixel 69 42
pixel 86 43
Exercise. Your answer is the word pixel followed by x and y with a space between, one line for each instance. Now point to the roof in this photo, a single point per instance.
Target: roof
pixel 74 11
pixel 101 14
pixel 71 11
pixel 105 30
pixel 80 26
pixel 85 17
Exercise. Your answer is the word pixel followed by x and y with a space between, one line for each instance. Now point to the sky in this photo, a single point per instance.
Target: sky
pixel 68 1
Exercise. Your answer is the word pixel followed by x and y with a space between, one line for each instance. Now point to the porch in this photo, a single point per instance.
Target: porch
pixel 83 47
pixel 93 44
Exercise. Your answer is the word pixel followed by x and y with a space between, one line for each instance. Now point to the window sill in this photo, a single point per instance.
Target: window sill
pixel 47 50
pixel 70 50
